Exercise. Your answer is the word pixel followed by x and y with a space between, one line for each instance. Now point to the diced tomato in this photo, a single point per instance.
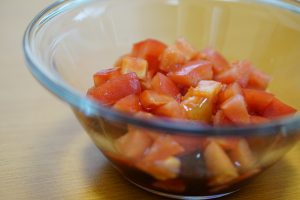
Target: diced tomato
pixel 230 91
pixel 219 166
pixel 160 161
pixel 151 99
pixel 115 89
pixel 243 156
pixel 254 119
pixel 133 145
pixel 137 65
pixel 220 64
pixel 186 48
pixel 130 104
pixel 257 100
pixel 173 185
pixel 189 143
pixel 207 89
pixel 163 147
pixel 171 109
pixel 104 75
pixel 239 72
pixel 171 58
pixel 220 119
pixel 258 80
pixel 164 85
pixel 198 108
pixel 150 50
pixel 278 109
pixel 191 73
pixel 235 109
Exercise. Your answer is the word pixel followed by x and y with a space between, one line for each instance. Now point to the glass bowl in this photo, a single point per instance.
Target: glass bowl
pixel 69 41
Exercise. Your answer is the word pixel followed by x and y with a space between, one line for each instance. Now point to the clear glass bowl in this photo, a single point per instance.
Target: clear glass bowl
pixel 70 40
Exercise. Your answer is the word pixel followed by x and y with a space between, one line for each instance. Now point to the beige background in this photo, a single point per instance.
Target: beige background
pixel 44 153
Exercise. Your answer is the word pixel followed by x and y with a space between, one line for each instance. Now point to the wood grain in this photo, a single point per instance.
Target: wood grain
pixel 45 154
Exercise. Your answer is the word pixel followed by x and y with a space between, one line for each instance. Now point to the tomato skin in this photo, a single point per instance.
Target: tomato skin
pixel 151 99
pixel 220 64
pixel 278 109
pixel 255 119
pixel 220 119
pixel 164 85
pixel 104 75
pixel 115 89
pixel 129 104
pixel 257 100
pixel 235 109
pixel 149 50
pixel 191 73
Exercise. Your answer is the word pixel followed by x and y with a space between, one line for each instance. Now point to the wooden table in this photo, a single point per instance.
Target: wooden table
pixel 44 152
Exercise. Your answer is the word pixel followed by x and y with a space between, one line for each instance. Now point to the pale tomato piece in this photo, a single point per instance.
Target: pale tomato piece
pixel 278 109
pixel 220 64
pixel 198 108
pixel 149 50
pixel 104 75
pixel 137 65
pixel 186 48
pixel 258 80
pixel 164 85
pixel 171 58
pixel 151 99
pixel 133 145
pixel 130 104
pixel 219 166
pixel 257 100
pixel 115 89
pixel 235 109
pixel 191 73
pixel 207 88
pixel 171 109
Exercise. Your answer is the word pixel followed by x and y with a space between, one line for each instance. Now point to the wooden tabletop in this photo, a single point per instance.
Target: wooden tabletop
pixel 44 152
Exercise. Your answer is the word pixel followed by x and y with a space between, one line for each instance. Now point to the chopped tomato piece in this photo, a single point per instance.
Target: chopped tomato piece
pixel 191 73
pixel 239 72
pixel 151 99
pixel 278 109
pixel 220 64
pixel 230 91
pixel 235 109
pixel 220 119
pixel 186 48
pixel 257 100
pixel 172 109
pixel 242 156
pixel 189 143
pixel 149 50
pixel 208 89
pixel 198 108
pixel 115 89
pixel 258 80
pixel 254 119
pixel 171 58
pixel 219 166
pixel 163 147
pixel 130 104
pixel 164 85
pixel 133 145
pixel 137 65
pixel 104 75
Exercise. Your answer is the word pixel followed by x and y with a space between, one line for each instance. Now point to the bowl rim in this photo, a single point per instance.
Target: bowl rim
pixel 91 108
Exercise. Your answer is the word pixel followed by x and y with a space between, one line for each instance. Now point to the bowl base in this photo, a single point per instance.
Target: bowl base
pixel 180 196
